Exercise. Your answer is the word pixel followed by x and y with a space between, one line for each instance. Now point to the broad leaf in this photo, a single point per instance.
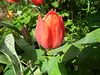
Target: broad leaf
pixel 9 72
pixel 10 26
pixel 57 50
pixel 92 37
pixel 52 61
pixel 70 53
pixel 59 69
pixel 3 59
pixel 9 50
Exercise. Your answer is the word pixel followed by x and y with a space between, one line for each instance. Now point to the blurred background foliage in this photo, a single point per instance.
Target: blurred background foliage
pixel 79 56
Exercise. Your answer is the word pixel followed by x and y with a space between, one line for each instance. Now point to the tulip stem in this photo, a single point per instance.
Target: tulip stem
pixel 25 64
pixel 6 10
pixel 46 51
pixel 42 9
pixel 72 10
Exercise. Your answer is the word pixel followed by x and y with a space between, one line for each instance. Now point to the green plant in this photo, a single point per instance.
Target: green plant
pixel 79 53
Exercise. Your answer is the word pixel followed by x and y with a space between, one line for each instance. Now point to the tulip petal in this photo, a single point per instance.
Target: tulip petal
pixel 50 13
pixel 60 32
pixel 52 20
pixel 42 33
pixel 56 25
pixel 37 2
pixel 12 0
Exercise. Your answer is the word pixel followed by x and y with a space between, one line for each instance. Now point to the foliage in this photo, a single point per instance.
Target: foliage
pixel 79 53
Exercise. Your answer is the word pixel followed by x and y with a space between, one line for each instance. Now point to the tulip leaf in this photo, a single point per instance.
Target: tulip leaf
pixel 48 65
pixel 37 72
pixel 8 49
pixel 9 72
pixel 44 66
pixel 59 69
pixel 70 53
pixel 79 42
pixel 57 50
pixel 92 37
pixel 30 51
pixel 3 59
pixel 10 26
pixel 40 56
pixel 8 66
pixel 89 59
pixel 52 61
pixel 20 41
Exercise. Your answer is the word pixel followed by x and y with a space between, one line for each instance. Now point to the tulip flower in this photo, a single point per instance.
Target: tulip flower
pixel 37 2
pixel 50 32
pixel 12 1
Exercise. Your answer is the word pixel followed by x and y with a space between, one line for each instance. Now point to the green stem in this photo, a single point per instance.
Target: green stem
pixel 72 11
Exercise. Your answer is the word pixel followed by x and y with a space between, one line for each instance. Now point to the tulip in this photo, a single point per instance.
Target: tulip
pixel 26 34
pixel 50 32
pixel 12 1
pixel 37 2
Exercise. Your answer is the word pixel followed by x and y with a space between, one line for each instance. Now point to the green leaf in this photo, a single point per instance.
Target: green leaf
pixel 70 53
pixel 9 50
pixel 26 20
pixel 93 18
pixel 96 24
pixel 40 56
pixel 26 10
pixel 69 22
pixel 20 41
pixel 79 42
pixel 87 56
pixel 26 70
pixel 9 72
pixel 10 26
pixel 7 67
pixel 37 72
pixel 84 54
pixel 59 69
pixel 57 50
pixel 89 60
pixel 48 65
pixel 3 59
pixel 30 51
pixel 51 62
pixel 55 4
pixel 44 67
pixel 93 36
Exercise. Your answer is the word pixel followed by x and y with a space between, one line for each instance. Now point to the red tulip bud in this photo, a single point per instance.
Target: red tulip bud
pixel 26 34
pixel 37 2
pixel 50 31
pixel 12 1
